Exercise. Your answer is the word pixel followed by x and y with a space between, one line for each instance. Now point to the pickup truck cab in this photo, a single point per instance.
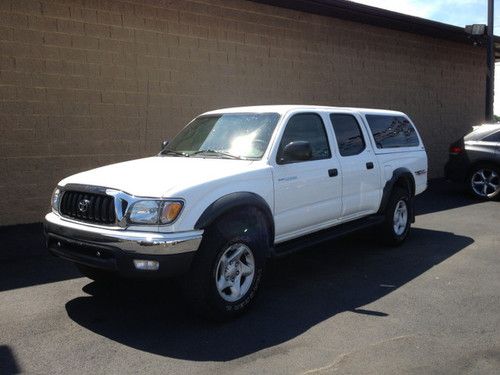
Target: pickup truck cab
pixel 235 187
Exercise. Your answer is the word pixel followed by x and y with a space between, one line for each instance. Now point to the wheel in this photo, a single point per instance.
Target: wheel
pixel 95 274
pixel 484 182
pixel 226 273
pixel 396 226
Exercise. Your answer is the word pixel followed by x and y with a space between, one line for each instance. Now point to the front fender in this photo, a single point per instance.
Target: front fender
pixel 231 202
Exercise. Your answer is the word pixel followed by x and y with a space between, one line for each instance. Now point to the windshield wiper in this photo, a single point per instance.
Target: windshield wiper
pixel 210 151
pixel 173 152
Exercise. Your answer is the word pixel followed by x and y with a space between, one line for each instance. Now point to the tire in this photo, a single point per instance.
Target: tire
pixel 96 274
pixel 396 226
pixel 484 181
pixel 226 272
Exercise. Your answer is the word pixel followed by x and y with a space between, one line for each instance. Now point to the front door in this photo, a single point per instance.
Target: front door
pixel 308 193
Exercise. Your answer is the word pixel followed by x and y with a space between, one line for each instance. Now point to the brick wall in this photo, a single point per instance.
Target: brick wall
pixel 89 82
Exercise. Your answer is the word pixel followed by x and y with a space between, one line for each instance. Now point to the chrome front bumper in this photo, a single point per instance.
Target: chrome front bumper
pixel 136 242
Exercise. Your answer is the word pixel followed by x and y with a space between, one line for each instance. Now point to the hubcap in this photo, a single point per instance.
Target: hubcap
pixel 235 272
pixel 485 182
pixel 400 218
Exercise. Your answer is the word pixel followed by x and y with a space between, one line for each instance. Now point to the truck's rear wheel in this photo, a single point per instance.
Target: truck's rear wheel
pixel 396 226
pixel 226 272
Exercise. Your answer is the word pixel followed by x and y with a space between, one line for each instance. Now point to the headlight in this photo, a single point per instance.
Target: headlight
pixel 154 212
pixel 145 212
pixel 54 201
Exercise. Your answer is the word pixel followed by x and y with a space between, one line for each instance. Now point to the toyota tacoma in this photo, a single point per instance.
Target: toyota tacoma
pixel 235 187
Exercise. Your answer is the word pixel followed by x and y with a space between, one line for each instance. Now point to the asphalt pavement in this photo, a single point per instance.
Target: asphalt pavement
pixel 347 306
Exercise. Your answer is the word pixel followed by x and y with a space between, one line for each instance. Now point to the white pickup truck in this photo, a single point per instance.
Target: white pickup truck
pixel 235 187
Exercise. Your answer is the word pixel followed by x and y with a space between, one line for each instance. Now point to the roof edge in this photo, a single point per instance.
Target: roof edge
pixel 351 11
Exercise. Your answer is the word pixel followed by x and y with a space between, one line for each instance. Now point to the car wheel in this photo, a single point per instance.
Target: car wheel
pixel 396 226
pixel 226 273
pixel 95 274
pixel 484 182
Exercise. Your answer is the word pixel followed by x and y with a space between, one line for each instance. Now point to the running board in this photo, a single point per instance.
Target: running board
pixel 337 231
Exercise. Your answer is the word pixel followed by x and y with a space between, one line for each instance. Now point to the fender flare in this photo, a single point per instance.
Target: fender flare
pixel 232 201
pixel 389 186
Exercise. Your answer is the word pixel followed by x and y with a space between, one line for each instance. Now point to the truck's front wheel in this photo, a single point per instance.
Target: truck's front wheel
pixel 226 273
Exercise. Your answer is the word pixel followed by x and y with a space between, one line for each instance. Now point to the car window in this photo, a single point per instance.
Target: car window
pixel 348 133
pixel 306 127
pixel 495 137
pixel 479 133
pixel 392 131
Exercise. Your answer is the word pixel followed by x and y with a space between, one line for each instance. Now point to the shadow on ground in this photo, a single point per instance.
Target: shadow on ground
pixel 442 195
pixel 25 261
pixel 299 292
pixel 8 363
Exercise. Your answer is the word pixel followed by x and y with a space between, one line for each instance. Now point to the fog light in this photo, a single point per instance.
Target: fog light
pixel 147 265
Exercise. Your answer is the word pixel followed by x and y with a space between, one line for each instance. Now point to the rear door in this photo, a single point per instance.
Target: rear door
pixel 361 184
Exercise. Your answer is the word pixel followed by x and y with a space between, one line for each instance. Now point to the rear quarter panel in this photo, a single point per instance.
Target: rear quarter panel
pixel 415 161
pixel 482 151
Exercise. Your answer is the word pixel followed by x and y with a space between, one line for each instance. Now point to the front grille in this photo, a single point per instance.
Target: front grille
pixel 89 207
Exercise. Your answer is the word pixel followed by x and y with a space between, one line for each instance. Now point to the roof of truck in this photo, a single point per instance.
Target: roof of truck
pixel 284 108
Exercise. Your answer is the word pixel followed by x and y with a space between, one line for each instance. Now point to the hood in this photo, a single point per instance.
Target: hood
pixel 159 176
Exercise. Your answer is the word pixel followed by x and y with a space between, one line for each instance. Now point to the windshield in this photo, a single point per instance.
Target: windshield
pixel 237 135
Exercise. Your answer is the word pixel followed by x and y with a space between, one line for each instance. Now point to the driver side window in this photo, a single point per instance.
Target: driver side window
pixel 307 127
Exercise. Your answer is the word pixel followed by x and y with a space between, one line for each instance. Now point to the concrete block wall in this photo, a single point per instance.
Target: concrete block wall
pixel 85 83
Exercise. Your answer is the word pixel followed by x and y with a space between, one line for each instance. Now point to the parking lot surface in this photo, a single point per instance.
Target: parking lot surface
pixel 347 306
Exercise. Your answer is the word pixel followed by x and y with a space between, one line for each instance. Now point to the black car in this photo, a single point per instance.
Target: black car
pixel 475 161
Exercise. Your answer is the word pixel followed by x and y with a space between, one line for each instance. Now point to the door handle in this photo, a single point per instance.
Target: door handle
pixel 369 165
pixel 333 172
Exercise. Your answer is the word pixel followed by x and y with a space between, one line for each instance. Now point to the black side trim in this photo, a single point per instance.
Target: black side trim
pixel 389 186
pixel 326 235
pixel 232 201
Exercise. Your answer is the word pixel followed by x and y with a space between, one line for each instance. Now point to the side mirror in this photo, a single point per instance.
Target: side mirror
pixel 297 151
pixel 163 145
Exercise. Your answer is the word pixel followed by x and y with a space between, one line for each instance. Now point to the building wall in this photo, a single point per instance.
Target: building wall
pixel 85 83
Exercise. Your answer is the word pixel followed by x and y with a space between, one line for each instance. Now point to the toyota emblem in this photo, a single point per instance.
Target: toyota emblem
pixel 83 205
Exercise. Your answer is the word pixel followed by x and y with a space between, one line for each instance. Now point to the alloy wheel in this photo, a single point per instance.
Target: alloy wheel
pixel 235 272
pixel 485 182
pixel 400 218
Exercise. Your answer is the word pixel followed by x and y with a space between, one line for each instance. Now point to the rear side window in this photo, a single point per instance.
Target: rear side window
pixel 495 137
pixel 479 134
pixel 307 127
pixel 348 134
pixel 392 131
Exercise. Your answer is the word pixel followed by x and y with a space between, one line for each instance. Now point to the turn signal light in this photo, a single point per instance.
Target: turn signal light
pixel 170 211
